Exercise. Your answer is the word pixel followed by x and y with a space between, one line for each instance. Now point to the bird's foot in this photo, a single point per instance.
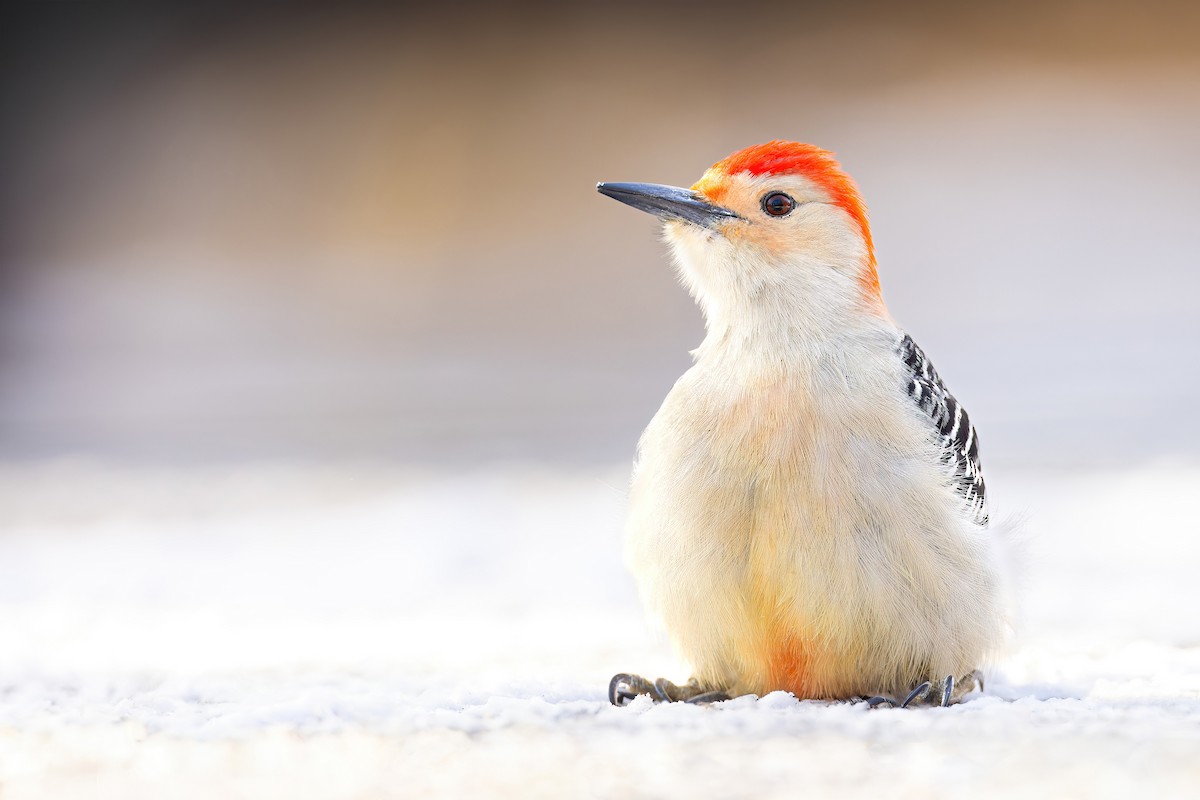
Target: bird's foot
pixel 624 687
pixel 940 693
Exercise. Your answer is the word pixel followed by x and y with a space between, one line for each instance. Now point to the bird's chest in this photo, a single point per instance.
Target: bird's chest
pixel 761 449
pixel 763 483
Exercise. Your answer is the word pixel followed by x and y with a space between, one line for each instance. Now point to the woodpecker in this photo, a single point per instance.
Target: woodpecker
pixel 807 511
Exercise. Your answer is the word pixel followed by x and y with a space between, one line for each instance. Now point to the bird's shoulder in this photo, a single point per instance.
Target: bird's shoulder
pixel 959 441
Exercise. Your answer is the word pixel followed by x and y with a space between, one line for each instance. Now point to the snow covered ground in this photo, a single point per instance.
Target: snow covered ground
pixel 367 631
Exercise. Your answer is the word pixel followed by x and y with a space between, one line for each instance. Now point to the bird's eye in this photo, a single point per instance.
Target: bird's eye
pixel 778 204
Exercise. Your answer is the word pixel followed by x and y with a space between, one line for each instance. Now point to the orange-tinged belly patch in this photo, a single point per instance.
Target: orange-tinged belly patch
pixel 789 667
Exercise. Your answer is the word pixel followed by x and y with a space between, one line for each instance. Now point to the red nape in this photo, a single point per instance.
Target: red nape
pixel 796 158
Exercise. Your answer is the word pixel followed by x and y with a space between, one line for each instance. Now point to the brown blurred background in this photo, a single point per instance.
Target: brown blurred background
pixel 302 233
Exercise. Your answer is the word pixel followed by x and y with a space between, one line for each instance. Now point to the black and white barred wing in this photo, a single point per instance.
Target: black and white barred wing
pixel 960 445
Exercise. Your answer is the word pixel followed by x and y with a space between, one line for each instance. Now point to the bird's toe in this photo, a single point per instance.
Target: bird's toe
pixel 624 687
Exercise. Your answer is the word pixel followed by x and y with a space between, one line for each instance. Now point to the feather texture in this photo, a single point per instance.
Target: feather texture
pixel 960 442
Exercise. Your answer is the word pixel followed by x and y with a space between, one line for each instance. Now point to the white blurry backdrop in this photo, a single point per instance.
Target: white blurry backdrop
pixel 322 365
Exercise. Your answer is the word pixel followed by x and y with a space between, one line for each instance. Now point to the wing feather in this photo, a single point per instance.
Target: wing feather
pixel 960 443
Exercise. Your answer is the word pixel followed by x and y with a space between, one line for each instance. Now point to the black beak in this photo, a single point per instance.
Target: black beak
pixel 667 202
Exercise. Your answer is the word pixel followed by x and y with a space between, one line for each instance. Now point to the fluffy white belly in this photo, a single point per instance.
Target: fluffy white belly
pixel 807 540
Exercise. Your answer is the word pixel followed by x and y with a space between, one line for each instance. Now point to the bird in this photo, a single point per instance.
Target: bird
pixel 807 511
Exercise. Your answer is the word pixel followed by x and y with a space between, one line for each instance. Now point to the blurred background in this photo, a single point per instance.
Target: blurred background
pixel 301 232
pixel 322 366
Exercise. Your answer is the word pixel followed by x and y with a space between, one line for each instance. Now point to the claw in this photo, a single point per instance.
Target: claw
pixel 687 693
pixel 921 694
pixel 666 691
pixel 918 693
pixel 624 687
pixel 705 698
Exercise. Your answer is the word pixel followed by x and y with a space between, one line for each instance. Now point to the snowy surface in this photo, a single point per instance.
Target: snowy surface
pixel 365 631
